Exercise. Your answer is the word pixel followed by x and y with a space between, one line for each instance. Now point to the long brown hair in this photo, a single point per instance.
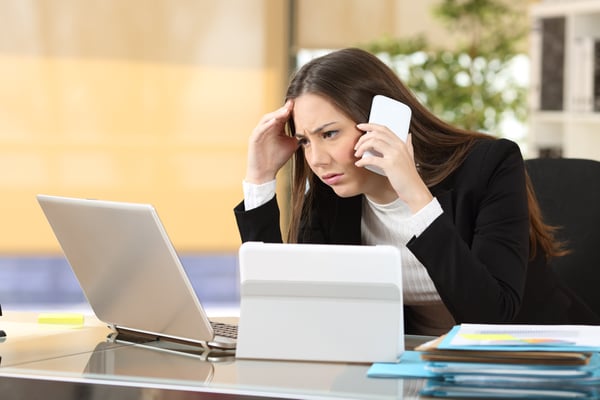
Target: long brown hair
pixel 349 78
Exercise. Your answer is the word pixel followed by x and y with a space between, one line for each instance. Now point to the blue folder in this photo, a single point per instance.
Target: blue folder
pixel 412 366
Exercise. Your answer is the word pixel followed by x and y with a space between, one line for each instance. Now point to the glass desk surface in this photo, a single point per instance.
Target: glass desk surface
pixel 86 362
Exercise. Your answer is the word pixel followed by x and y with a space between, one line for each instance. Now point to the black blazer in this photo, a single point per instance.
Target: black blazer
pixel 476 252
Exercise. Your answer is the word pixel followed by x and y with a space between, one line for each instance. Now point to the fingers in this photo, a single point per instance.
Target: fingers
pixel 409 146
pixel 376 137
pixel 381 148
pixel 281 114
pixel 269 146
pixel 272 123
pixel 370 144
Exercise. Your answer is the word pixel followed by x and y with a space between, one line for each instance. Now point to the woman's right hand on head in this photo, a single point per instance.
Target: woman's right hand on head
pixel 269 147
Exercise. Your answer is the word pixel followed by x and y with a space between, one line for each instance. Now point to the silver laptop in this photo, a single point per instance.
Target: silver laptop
pixel 129 270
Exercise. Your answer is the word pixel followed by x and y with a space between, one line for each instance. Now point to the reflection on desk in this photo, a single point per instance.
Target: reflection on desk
pixel 104 368
pixel 147 363
pixel 27 341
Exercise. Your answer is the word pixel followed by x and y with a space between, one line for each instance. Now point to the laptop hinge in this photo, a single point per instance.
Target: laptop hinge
pixel 145 337
pixel 179 345
pixel 131 336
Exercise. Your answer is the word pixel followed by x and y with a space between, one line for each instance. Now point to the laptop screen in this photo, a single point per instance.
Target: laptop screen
pixel 127 266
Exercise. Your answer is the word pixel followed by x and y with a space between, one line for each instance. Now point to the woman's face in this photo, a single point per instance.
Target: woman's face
pixel 328 137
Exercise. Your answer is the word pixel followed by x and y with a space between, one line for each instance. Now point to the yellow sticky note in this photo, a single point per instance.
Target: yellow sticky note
pixel 74 319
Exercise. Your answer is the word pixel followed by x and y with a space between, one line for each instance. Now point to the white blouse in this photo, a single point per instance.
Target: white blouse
pixel 394 224
pixel 391 224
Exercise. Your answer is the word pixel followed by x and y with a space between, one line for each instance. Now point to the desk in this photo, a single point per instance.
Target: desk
pixel 80 363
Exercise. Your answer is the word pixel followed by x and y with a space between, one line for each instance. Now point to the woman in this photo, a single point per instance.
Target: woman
pixel 458 204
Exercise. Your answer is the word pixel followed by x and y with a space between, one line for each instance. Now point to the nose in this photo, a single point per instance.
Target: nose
pixel 316 155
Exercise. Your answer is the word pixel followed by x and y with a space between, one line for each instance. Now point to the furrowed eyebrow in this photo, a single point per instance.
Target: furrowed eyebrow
pixel 322 127
pixel 317 130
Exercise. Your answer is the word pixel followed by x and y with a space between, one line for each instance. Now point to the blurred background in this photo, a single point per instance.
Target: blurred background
pixel 153 100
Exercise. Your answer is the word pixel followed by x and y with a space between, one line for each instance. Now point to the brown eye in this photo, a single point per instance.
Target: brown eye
pixel 329 134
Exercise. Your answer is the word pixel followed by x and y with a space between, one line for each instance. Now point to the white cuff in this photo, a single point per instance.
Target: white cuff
pixel 424 217
pixel 257 195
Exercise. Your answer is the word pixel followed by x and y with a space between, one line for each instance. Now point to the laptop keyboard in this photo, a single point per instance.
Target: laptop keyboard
pixel 225 330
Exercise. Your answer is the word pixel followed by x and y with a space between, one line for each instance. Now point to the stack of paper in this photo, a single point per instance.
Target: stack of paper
pixel 504 361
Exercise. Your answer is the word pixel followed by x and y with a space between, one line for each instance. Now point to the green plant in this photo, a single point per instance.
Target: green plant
pixel 472 84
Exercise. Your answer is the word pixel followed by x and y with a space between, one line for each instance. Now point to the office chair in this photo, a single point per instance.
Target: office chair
pixel 568 191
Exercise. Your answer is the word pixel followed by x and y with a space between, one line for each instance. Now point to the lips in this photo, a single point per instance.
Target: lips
pixel 331 179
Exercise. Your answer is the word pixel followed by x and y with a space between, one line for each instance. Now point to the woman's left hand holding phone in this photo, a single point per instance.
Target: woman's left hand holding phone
pixel 269 147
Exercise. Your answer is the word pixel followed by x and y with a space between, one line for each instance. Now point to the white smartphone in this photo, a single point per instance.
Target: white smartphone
pixel 393 114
